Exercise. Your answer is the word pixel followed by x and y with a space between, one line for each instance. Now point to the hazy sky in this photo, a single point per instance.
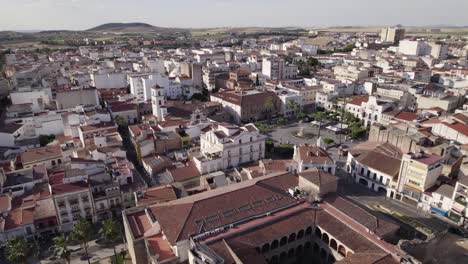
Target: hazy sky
pixel 84 14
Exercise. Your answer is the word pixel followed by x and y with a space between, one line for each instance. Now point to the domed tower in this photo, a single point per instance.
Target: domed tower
pixel 158 102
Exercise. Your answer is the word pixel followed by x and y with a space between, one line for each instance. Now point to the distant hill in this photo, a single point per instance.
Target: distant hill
pixel 133 28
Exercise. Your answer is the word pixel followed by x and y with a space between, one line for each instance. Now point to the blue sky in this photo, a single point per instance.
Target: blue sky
pixel 84 14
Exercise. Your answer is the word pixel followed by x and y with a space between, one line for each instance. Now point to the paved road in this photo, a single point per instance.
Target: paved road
pixel 285 134
pixel 366 197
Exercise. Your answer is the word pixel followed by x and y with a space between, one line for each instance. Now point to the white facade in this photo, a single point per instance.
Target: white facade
pixel 229 146
pixel 109 80
pixel 141 84
pixel 158 101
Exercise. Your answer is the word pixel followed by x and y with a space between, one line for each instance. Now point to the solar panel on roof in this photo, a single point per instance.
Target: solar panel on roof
pixel 211 218
pixel 229 212
pixel 258 203
pixel 244 208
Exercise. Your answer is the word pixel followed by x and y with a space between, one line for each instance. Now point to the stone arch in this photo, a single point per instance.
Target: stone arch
pixel 382 190
pixel 300 234
pixel 283 241
pixel 342 250
pixel 292 237
pixel 333 244
pixel 316 248
pixel 274 244
pixel 364 182
pixel 265 248
pixel 274 260
pixel 283 257
pixel 323 253
pixel 331 258
pixel 318 232
pixel 325 238
pixel 299 250
pixel 291 253
pixel 308 231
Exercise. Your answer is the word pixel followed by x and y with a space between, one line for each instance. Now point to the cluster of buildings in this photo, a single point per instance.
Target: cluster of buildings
pixel 166 140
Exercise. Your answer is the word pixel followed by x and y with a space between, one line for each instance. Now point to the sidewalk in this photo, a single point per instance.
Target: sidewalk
pixel 96 253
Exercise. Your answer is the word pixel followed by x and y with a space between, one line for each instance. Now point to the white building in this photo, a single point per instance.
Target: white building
pixel 141 84
pixel 276 69
pixel 309 157
pixel 227 146
pixel 109 80
pixel 375 166
pixel 158 101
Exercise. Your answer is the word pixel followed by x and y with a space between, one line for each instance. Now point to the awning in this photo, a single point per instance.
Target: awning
pixel 458 208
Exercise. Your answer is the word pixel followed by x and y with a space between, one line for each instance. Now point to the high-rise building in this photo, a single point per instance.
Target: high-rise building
pixel 392 34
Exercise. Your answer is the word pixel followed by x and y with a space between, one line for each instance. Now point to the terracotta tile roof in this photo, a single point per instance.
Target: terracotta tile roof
pixel 63 188
pixel 160 246
pixel 41 154
pixel 313 154
pixel 407 116
pixel 184 173
pixel 5 203
pixel 369 258
pixel 157 194
pixel 358 99
pixel 18 218
pixel 139 223
pixel 209 210
pixel 380 227
pixel 428 159
pixel 383 157
pixel 275 165
pixel 123 108
pixel 461 117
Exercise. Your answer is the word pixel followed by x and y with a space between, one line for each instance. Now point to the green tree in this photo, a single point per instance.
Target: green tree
pixel 46 139
pixel 81 233
pixel 281 121
pixel 357 131
pixel 60 249
pixel 110 232
pixel 313 62
pixel 295 107
pixel 268 107
pixel 17 250
pixel 328 140
pixel 120 121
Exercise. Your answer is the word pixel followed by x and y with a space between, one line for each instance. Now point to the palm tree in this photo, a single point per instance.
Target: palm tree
pixel 110 232
pixel 82 233
pixel 60 248
pixel 17 250
pixel 295 107
pixel 319 116
pixel 268 106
